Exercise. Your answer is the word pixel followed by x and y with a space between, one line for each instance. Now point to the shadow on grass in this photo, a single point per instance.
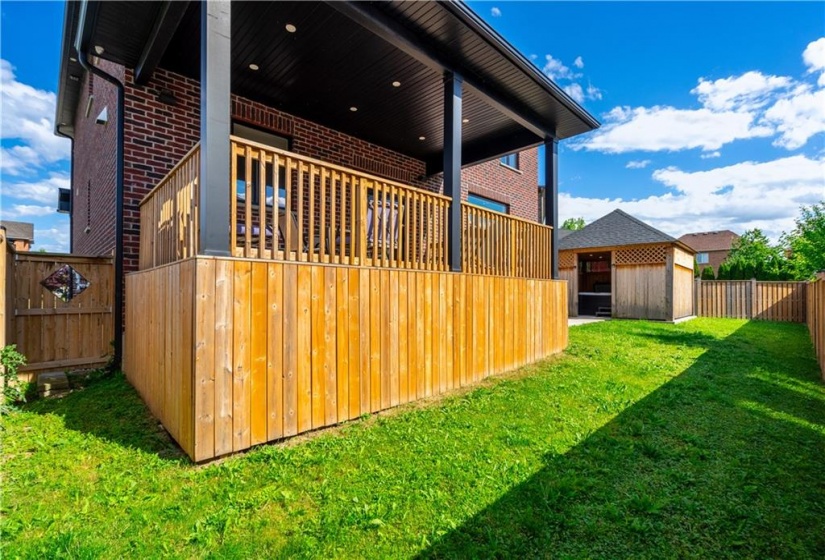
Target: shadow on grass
pixel 726 460
pixel 110 409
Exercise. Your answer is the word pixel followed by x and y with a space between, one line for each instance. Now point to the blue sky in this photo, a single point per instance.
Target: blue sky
pixel 713 114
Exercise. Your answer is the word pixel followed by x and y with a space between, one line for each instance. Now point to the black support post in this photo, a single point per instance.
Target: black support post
pixel 216 41
pixel 551 198
pixel 452 164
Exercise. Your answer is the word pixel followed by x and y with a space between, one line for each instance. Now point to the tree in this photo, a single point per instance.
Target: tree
pixel 753 256
pixel 806 243
pixel 696 272
pixel 573 223
pixel 724 271
pixel 707 273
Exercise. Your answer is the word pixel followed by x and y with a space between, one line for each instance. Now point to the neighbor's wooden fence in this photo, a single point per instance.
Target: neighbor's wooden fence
pixel 51 333
pixel 816 318
pixel 229 353
pixel 751 299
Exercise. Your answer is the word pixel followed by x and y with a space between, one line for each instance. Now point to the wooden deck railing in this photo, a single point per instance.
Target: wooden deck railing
pixel 502 245
pixel 319 212
pixel 169 215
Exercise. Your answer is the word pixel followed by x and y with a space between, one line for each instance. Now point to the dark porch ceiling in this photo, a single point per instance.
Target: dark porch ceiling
pixel 332 63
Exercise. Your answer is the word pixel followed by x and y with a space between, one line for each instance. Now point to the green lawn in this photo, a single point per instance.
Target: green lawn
pixel 705 439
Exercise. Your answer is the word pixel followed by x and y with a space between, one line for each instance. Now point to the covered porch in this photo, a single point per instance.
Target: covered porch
pixel 280 291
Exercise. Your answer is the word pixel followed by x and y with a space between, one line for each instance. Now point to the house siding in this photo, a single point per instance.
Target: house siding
pixel 715 258
pixel 94 155
pixel 515 188
pixel 158 135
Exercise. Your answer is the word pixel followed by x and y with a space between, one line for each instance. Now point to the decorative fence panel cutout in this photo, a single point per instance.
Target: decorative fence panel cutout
pixel 57 309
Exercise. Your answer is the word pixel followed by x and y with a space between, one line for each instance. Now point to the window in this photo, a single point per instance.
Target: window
pixel 487 203
pixel 269 139
pixel 510 160
pixel 702 258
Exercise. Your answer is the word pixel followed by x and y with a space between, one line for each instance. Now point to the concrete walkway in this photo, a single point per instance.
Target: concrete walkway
pixel 576 321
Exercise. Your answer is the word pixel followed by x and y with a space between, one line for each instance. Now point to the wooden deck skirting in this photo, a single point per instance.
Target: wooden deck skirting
pixel 229 353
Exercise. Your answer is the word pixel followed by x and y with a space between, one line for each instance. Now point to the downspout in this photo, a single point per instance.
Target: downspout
pixel 88 13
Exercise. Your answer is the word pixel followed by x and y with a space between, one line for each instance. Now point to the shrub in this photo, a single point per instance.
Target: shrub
pixel 13 390
pixel 707 273
pixel 724 271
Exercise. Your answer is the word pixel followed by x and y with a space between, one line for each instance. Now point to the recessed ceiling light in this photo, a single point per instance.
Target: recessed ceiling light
pixel 73 59
pixel 353 109
pixel 422 137
pixel 291 28
pixel 99 49
pixel 396 84
pixel 74 78
pixel 465 120
pixel 253 66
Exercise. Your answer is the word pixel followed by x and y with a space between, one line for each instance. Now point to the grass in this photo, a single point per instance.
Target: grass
pixel 705 439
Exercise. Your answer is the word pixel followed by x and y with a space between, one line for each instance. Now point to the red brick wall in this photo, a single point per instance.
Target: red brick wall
pixel 93 178
pixel 518 189
pixel 158 135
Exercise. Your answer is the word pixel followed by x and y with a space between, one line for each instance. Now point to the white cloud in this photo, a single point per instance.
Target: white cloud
pixel 710 155
pixel 749 91
pixel 663 128
pixel 730 197
pixel 495 12
pixel 575 91
pixel 797 118
pixel 814 58
pixel 52 239
pixel 638 164
pixel 593 92
pixel 43 190
pixel 28 210
pixel 749 105
pixel 27 121
pixel 556 70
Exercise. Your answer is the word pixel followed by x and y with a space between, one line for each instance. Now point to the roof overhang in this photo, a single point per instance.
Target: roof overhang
pixel 344 54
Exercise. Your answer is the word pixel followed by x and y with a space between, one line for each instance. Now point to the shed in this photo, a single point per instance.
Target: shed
pixel 619 266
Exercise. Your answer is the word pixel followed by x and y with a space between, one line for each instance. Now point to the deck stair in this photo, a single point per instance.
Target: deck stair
pixel 604 312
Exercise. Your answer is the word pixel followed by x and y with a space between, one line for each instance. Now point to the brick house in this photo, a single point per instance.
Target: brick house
pixel 319 196
pixel 21 234
pixel 712 247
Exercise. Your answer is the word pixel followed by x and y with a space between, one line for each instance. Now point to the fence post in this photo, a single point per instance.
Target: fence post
pixel 697 296
pixel 5 294
pixel 753 299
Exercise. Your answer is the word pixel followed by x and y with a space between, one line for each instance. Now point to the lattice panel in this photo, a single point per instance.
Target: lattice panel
pixel 651 254
pixel 567 259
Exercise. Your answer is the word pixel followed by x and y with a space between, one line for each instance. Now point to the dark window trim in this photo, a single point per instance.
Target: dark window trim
pixel 492 200
pixel 516 159
pixel 255 203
